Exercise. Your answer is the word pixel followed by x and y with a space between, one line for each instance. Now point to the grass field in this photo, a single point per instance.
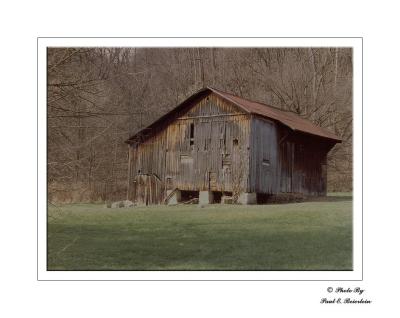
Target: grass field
pixel 299 236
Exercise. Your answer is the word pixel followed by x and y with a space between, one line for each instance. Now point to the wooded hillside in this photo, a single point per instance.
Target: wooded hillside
pixel 98 97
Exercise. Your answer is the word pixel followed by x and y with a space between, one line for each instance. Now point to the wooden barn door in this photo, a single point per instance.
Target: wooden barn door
pixel 148 190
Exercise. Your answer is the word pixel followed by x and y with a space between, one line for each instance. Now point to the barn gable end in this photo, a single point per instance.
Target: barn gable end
pixel 205 148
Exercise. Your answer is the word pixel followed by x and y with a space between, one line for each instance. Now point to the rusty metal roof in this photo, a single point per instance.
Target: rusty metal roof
pixel 289 119
pixel 292 120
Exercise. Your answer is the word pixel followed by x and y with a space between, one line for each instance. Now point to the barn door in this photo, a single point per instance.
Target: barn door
pixel 148 189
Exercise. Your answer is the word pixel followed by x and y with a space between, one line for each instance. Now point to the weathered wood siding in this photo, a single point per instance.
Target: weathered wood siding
pixel 263 156
pixel 206 148
pixel 147 189
pixel 283 161
pixel 215 146
pixel 302 163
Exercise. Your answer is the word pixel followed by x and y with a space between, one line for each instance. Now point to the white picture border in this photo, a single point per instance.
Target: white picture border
pixel 355 275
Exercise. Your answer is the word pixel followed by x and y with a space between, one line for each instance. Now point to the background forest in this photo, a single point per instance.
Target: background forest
pixel 98 97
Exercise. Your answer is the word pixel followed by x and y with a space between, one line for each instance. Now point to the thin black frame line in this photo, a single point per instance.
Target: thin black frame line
pixel 362 151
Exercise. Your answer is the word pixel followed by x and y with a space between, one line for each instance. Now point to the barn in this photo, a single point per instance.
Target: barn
pixel 217 147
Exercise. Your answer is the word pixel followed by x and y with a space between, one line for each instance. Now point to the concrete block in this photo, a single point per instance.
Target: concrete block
pixel 175 197
pixel 206 197
pixel 247 198
pixel 226 199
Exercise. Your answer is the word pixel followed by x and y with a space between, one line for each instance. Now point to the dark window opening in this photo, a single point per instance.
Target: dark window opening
pixel 263 198
pixel 169 183
pixel 217 195
pixel 191 134
pixel 235 142
pixel 189 195
pixel 139 171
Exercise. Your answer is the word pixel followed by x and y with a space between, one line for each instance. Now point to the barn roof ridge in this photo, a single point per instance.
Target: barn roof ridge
pixel 254 101
pixel 287 118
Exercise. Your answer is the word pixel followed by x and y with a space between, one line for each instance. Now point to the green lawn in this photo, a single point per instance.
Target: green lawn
pixel 301 236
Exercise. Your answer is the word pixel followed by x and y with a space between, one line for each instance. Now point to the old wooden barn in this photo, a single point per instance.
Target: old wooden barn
pixel 215 145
